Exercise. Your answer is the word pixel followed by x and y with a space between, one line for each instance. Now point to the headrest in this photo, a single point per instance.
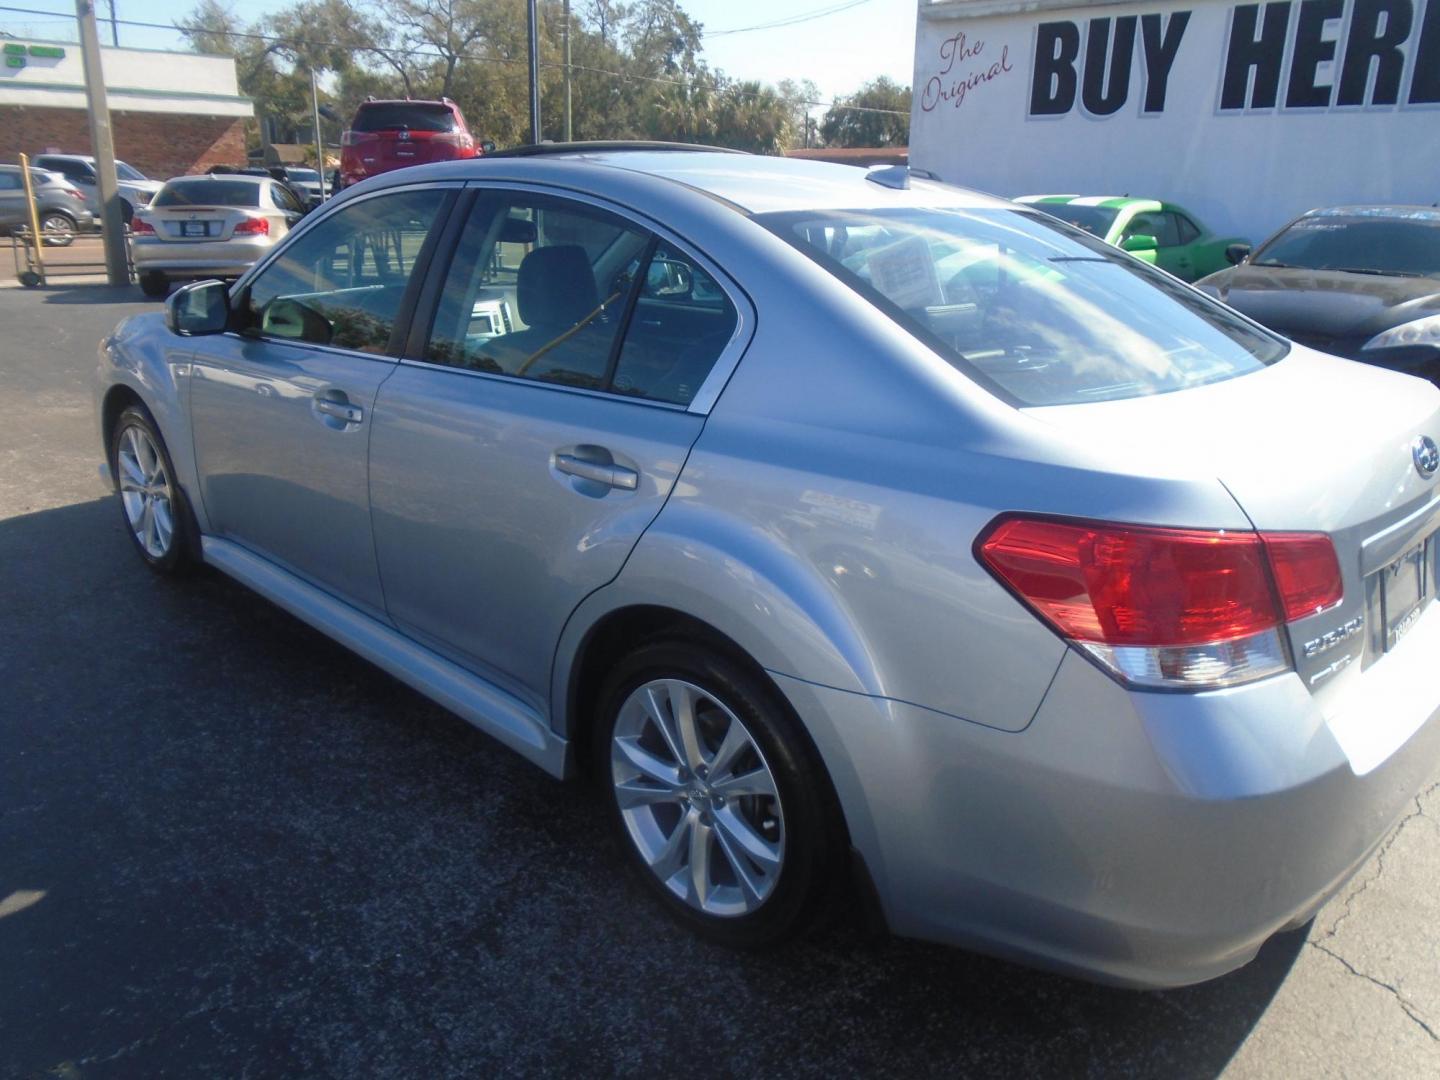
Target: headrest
pixel 555 287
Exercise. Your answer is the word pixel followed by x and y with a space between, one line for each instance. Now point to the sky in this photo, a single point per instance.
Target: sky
pixel 838 49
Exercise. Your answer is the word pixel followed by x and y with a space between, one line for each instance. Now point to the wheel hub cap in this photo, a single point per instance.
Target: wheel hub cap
pixel 145 491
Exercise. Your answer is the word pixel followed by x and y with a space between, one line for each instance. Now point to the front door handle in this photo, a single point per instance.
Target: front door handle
pixel 615 476
pixel 341 410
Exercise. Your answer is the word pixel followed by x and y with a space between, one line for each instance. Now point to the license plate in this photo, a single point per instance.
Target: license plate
pixel 1405 592
pixel 194 228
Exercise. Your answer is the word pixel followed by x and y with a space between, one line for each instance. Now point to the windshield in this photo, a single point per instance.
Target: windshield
pixel 415 115
pixel 1038 312
pixel 1096 220
pixel 1406 246
pixel 208 193
pixel 126 172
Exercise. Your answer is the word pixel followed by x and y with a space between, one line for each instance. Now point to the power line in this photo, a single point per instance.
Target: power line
pixel 251 35
pixel 789 20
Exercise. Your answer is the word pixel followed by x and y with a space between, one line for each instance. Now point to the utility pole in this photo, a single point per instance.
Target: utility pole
pixel 565 37
pixel 533 29
pixel 319 141
pixel 112 216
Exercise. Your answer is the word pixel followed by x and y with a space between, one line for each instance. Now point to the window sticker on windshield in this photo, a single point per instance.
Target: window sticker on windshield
pixel 905 273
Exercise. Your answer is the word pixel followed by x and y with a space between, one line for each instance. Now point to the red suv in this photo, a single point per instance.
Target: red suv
pixel 389 135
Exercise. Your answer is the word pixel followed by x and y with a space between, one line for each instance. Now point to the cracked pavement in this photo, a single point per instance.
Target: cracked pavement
pixel 230 848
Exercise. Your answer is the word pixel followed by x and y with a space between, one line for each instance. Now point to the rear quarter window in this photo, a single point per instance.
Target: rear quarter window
pixel 208 193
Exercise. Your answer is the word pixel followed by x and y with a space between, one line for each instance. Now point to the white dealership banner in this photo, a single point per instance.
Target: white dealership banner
pixel 1248 114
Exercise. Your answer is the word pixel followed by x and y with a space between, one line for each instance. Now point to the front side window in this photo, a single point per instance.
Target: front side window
pixel 538 289
pixel 1035 311
pixel 342 282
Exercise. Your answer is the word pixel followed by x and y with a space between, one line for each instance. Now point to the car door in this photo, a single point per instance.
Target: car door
pixel 525 443
pixel 281 406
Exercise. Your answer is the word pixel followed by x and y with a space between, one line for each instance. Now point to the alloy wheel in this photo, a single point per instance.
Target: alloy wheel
pixel 146 492
pixel 697 797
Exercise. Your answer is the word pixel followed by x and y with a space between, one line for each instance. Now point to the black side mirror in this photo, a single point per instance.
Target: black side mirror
pixel 1237 253
pixel 200 308
pixel 487 146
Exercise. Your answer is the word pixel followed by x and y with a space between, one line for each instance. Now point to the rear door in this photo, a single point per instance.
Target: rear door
pixel 522 447
pixel 281 411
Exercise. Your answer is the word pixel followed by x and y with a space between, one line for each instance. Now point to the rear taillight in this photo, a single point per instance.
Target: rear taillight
pixel 355 138
pixel 252 226
pixel 141 227
pixel 1166 607
pixel 75 194
pixel 454 138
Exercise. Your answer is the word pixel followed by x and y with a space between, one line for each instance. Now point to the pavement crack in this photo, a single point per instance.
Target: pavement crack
pixel 1394 991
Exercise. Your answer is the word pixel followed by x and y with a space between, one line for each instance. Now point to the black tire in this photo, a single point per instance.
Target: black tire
pixel 180 554
pixel 813 831
pixel 154 283
pixel 58 228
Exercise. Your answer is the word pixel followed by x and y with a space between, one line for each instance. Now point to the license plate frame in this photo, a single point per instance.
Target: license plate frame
pixel 1405 592
pixel 195 228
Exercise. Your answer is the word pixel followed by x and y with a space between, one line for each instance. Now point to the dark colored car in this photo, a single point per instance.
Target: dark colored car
pixel 387 135
pixel 1362 282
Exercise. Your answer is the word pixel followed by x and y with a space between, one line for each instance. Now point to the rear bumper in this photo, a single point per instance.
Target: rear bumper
pixel 1143 839
pixel 227 258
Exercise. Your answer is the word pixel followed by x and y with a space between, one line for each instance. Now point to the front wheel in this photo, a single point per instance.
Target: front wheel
pixel 156 517
pixel 153 283
pixel 715 793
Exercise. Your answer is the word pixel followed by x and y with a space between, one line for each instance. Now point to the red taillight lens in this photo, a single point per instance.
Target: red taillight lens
pixel 252 226
pixel 75 193
pixel 141 227
pixel 1161 606
pixel 1307 572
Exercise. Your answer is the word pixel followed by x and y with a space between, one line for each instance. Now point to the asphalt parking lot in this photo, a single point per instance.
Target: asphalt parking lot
pixel 230 848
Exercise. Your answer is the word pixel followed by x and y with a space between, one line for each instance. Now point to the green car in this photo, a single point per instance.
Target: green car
pixel 1158 232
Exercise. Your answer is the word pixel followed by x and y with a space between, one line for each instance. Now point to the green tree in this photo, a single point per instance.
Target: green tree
pixel 881 119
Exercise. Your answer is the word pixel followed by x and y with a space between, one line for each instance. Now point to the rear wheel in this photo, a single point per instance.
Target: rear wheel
pixel 714 793
pixel 58 229
pixel 156 515
pixel 154 283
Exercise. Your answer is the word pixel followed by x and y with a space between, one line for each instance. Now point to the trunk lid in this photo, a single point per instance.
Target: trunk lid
pixel 1311 443
pixel 197 224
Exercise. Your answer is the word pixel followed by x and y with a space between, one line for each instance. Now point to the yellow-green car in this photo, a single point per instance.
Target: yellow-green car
pixel 1158 232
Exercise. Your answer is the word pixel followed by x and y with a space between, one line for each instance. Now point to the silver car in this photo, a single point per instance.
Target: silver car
pixel 135 188
pixel 209 227
pixel 59 207
pixel 829 521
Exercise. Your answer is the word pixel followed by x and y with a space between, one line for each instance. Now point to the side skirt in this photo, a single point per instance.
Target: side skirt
pixel 464 693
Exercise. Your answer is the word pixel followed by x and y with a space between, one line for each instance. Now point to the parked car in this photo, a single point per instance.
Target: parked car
pixel 1361 282
pixel 387 135
pixel 1035 590
pixel 306 183
pixel 1158 232
pixel 58 204
pixel 210 227
pixel 136 189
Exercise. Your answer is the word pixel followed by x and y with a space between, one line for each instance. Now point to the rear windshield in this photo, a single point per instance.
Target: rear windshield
pixel 208 193
pixel 1395 246
pixel 1037 312
pixel 1096 220
pixel 393 115
pixel 305 176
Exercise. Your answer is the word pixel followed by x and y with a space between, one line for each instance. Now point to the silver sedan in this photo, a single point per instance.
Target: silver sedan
pixel 828 520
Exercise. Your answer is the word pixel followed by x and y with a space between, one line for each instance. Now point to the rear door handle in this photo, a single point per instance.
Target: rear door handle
pixel 615 476
pixel 341 410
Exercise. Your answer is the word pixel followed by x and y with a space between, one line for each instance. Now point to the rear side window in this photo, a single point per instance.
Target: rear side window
pixel 208 193
pixel 413 115
pixel 1037 312
pixel 9 181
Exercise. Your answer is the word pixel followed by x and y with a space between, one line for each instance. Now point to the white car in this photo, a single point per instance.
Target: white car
pixel 209 227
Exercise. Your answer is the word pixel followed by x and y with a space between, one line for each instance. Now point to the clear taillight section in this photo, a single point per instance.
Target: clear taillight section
pixel 1164 607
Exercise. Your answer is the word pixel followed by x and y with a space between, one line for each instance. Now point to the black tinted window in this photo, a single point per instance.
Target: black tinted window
pixel 681 324
pixel 341 283
pixel 392 115
pixel 1385 245
pixel 537 289
pixel 208 193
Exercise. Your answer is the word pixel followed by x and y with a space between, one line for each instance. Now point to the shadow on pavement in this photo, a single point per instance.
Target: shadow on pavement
pixel 255 852
pixel 60 293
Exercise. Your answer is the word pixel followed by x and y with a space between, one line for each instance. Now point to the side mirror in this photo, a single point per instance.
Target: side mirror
pixel 668 278
pixel 487 146
pixel 1237 253
pixel 517 231
pixel 288 318
pixel 1140 242
pixel 200 308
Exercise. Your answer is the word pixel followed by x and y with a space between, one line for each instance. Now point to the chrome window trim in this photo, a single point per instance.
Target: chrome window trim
pixel 725 364
pixel 313 220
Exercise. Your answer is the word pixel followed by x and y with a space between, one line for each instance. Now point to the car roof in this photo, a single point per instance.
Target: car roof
pixel 753 183
pixel 1383 210
pixel 1110 202
pixel 221 177
pixel 89 159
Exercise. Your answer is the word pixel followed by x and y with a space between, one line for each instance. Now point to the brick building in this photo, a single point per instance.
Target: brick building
pixel 171 113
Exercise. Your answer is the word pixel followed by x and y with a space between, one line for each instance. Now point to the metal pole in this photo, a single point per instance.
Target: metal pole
pixel 112 215
pixel 565 37
pixel 533 30
pixel 319 142
pixel 35 233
